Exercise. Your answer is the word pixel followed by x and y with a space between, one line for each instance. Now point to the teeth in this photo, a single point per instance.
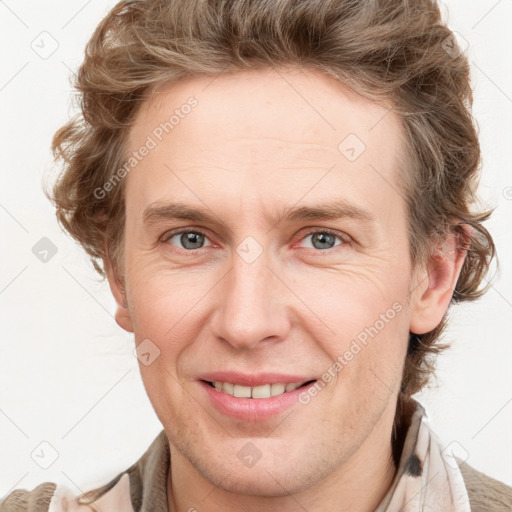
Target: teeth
pixel 277 389
pixel 242 391
pixel 228 388
pixel 263 391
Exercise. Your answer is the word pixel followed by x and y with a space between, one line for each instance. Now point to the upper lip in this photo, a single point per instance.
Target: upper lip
pixel 253 380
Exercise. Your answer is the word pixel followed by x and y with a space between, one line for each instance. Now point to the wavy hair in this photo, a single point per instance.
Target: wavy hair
pixel 399 52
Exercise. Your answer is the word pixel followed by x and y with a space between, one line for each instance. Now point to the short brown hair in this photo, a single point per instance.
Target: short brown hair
pixel 395 51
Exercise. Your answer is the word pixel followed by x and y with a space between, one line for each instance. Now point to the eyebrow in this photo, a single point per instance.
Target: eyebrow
pixel 331 210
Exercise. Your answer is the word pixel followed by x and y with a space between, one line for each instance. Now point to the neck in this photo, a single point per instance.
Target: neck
pixel 357 485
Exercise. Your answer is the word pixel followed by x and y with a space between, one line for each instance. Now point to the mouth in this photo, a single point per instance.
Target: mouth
pixel 253 398
pixel 257 392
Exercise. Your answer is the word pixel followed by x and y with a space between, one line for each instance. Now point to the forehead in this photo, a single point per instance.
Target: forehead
pixel 267 129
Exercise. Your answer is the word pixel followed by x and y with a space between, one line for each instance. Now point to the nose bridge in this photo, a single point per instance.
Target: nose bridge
pixel 251 301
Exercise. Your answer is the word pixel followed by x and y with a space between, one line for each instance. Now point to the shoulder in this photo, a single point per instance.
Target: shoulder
pixel 50 497
pixel 485 493
pixel 21 500
pixel 142 485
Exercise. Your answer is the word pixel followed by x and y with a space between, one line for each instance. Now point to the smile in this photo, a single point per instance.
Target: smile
pixel 262 391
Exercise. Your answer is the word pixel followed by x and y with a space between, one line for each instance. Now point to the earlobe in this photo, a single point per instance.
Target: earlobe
pixel 123 318
pixel 117 287
pixel 435 285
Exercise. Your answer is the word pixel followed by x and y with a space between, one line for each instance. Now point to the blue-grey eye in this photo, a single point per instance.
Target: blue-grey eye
pixel 322 240
pixel 189 240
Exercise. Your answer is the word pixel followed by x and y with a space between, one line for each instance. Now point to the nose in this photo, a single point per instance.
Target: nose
pixel 252 305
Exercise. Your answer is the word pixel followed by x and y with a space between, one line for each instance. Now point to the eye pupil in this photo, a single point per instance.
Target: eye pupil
pixel 191 240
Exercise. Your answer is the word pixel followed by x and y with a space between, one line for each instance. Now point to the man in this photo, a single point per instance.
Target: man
pixel 281 197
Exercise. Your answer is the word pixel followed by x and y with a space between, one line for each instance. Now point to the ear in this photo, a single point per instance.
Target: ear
pixel 117 287
pixel 435 284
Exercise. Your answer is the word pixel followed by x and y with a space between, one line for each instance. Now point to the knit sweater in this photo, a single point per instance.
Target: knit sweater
pixel 143 488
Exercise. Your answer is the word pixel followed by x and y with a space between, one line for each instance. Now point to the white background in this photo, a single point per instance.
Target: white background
pixel 67 372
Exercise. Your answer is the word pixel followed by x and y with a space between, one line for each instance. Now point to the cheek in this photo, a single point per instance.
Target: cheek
pixel 160 298
pixel 166 311
pixel 373 362
pixel 348 300
pixel 162 317
pixel 364 330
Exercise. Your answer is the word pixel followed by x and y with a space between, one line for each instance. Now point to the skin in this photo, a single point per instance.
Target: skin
pixel 253 146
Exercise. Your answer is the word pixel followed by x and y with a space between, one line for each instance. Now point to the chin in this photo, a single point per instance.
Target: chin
pixel 262 483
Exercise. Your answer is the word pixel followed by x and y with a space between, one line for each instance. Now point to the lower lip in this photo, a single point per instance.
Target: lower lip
pixel 253 409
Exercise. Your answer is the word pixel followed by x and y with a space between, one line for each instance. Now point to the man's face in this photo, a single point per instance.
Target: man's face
pixel 261 294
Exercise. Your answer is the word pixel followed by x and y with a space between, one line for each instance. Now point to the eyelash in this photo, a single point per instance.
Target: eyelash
pixel 167 236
